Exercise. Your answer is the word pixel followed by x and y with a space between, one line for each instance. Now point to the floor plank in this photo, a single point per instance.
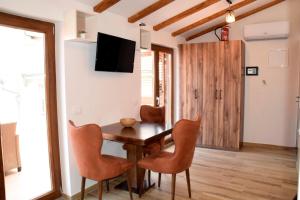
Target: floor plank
pixel 254 173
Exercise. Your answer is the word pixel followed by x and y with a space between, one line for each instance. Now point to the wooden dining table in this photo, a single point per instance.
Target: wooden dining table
pixel 136 138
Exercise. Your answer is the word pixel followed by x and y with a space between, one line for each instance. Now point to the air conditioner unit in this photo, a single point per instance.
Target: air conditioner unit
pixel 267 31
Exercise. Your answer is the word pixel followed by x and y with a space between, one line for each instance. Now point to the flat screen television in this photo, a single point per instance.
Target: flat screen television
pixel 114 54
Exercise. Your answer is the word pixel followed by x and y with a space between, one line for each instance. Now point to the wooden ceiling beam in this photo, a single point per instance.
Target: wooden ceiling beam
pixel 104 5
pixel 184 14
pixel 211 17
pixel 148 10
pixel 242 16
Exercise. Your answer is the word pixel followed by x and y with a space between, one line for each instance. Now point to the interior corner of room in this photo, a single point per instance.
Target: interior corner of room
pixel 233 63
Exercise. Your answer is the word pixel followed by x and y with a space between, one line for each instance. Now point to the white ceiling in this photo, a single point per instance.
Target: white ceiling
pixel 127 8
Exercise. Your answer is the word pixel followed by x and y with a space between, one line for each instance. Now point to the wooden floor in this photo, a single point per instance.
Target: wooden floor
pixel 252 174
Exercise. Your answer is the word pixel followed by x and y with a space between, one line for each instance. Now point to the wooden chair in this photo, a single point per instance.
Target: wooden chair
pixel 185 133
pixel 10 147
pixel 86 144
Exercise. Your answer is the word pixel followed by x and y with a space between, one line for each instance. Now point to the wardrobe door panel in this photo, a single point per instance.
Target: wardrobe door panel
pixel 233 94
pixel 208 79
pixel 219 116
pixel 188 80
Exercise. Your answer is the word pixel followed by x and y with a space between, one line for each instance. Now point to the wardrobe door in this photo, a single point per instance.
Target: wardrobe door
pixel 207 86
pixel 189 93
pixel 232 96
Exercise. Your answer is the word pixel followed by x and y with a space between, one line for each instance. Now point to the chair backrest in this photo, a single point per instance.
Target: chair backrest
pixel 152 114
pixel 86 143
pixel 185 134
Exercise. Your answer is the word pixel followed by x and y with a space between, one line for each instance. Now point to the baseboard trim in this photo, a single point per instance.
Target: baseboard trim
pixel 77 195
pixel 268 146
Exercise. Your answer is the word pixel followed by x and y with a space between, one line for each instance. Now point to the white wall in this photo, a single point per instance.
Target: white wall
pixel 270 110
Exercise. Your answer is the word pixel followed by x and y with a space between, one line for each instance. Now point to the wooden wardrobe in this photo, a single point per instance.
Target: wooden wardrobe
pixel 212 85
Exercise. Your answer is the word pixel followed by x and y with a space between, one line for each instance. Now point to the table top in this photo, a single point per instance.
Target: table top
pixel 140 134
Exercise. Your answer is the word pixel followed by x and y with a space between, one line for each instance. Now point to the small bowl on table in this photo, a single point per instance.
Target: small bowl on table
pixel 128 122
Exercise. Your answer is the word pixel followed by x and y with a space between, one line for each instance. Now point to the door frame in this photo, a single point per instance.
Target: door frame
pixel 156 49
pixel 48 29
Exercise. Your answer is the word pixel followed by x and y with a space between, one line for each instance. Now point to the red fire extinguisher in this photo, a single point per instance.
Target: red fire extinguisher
pixel 224 33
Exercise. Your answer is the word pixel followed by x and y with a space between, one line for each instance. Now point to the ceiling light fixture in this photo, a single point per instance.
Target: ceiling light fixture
pixel 230 17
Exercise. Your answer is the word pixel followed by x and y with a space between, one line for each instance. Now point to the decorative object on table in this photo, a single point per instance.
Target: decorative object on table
pixel 252 71
pixel 127 122
pixel 185 134
pixel 82 34
pixel 86 141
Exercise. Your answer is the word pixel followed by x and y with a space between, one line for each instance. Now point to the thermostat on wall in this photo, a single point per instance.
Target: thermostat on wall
pixel 252 71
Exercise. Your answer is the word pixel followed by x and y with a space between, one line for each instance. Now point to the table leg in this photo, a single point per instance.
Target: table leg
pixel 134 154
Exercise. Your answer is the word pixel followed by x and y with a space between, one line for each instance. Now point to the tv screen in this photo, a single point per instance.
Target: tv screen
pixel 114 54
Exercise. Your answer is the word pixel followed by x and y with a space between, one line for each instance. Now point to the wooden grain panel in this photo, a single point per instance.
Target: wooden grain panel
pixel 237 18
pixel 184 14
pixel 232 94
pixel 188 80
pixel 211 17
pixel 148 10
pixel 104 5
pixel 200 87
pixel 219 121
pixel 210 61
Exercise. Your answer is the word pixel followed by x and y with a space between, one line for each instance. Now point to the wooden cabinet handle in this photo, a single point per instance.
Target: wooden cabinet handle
pixel 216 94
pixel 220 96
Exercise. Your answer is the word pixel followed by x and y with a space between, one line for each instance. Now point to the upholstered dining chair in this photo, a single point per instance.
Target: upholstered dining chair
pixel 185 133
pixel 153 115
pixel 86 143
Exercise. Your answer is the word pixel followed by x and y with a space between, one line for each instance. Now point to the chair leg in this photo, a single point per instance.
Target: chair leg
pixel 141 183
pixel 187 173
pixel 173 186
pixel 107 185
pixel 19 169
pixel 100 189
pixel 159 179
pixel 82 188
pixel 129 184
pixel 149 178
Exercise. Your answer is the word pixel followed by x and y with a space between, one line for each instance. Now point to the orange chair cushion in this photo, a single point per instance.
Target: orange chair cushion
pixel 161 162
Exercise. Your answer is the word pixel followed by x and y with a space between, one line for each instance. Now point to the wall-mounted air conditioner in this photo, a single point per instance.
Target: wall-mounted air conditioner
pixel 267 31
